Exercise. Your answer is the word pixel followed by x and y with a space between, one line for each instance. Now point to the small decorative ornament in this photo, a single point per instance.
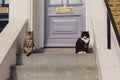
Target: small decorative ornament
pixel 29 43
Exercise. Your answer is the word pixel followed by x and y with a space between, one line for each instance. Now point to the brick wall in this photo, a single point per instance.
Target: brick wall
pixel 115 8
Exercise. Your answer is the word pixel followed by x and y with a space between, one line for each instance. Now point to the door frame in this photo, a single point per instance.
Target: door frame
pixel 42 20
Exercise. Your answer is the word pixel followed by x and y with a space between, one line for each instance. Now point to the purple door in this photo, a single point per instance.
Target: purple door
pixel 64 27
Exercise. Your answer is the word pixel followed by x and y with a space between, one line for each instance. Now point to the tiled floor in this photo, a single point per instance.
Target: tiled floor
pixel 59 50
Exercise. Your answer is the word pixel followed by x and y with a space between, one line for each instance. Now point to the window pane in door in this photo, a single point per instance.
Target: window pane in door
pixel 75 1
pixel 55 1
pixel 6 1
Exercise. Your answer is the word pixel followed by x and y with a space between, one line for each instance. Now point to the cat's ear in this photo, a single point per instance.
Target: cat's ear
pixel 28 32
pixel 82 33
pixel 87 34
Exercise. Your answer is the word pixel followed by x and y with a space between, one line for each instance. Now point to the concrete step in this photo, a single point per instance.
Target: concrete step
pixel 56 67
pixel 59 59
pixel 54 73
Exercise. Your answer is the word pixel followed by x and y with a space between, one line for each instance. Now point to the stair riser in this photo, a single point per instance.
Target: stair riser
pixel 70 60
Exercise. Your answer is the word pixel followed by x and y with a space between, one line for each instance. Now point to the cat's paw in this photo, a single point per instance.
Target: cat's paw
pixel 81 52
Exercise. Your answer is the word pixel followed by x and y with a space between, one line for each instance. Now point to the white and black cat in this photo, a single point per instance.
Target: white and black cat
pixel 82 43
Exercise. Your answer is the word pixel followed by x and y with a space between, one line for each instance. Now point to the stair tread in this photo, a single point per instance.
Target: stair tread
pixel 57 54
pixel 53 67
pixel 80 66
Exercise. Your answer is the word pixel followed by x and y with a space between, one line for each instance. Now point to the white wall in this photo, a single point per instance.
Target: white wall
pixel 36 22
pixel 88 23
pixel 108 60
pixel 18 9
pixel 27 9
pixel 41 24
pixel 8 38
pixel 10 45
pixel 10 59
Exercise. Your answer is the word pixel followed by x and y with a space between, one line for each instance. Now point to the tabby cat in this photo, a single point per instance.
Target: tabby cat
pixel 29 43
